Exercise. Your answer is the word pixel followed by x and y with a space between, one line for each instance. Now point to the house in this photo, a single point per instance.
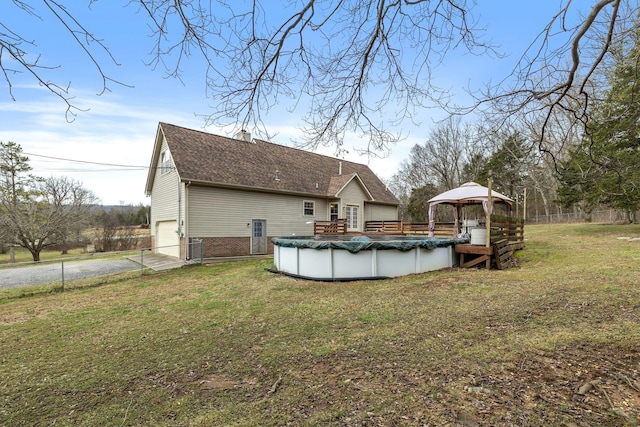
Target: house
pixel 235 194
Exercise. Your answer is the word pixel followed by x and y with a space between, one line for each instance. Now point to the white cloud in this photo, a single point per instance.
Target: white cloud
pixel 119 132
pixel 110 132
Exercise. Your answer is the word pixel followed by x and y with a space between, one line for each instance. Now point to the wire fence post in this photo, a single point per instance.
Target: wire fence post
pixel 201 253
pixel 142 262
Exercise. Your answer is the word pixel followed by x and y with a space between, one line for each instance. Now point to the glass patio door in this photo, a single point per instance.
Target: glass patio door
pixel 352 217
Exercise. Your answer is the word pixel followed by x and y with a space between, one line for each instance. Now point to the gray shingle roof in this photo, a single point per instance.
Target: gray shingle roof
pixel 211 159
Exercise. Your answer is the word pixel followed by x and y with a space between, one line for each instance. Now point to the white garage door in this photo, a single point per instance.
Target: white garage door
pixel 167 241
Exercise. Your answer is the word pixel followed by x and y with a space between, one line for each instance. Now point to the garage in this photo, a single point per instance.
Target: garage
pixel 167 241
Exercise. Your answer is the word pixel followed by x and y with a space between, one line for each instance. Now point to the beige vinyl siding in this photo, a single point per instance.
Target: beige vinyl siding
pixel 221 212
pixel 164 195
pixel 353 194
pixel 374 212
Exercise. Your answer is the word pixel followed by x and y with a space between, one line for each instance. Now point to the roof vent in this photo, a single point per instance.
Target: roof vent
pixel 340 169
pixel 277 178
pixel 243 135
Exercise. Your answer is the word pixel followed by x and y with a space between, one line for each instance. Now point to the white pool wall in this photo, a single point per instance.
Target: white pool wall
pixel 341 264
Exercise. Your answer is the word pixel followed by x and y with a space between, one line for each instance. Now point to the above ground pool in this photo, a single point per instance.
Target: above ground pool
pixel 339 258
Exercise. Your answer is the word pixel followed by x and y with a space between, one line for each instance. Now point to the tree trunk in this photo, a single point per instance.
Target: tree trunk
pixel 631 216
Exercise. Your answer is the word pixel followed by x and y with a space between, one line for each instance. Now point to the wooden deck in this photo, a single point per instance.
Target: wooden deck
pixel 401 228
pixel 338 226
pixel 507 236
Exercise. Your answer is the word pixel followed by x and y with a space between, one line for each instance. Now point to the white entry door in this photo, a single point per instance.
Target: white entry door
pixel 258 236
pixel 352 217
pixel 167 240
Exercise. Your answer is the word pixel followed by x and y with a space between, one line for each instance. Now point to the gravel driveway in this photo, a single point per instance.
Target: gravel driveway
pixel 73 270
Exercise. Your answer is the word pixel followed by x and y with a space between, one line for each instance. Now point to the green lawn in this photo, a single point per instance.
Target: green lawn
pixel 555 341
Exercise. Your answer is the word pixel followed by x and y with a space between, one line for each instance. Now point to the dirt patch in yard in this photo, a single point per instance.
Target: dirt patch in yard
pixel 584 385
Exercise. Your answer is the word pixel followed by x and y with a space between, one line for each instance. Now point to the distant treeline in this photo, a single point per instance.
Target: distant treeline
pixel 121 215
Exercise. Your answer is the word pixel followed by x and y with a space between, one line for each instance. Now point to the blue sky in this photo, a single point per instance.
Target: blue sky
pixel 119 126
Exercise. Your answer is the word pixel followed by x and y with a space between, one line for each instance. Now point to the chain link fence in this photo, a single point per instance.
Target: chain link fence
pixel 612 216
pixel 92 269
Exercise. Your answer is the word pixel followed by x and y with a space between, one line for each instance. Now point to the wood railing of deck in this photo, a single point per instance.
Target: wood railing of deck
pixel 502 228
pixel 509 229
pixel 507 236
pixel 443 229
pixel 416 228
pixel 338 226
pixel 383 226
pixel 400 227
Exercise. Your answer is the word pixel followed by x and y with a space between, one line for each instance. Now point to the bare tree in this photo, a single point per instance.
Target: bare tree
pixel 114 232
pixel 446 157
pixel 361 66
pixel 36 213
pixel 560 134
pixel 561 72
pixel 45 216
pixel 19 52
pixel 452 146
pixel 453 153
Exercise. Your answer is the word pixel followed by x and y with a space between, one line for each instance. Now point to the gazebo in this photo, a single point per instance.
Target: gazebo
pixel 470 193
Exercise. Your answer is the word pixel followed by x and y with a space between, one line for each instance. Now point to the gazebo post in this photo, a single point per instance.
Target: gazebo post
pixel 456 220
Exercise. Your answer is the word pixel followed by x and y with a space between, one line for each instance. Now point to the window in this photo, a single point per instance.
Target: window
pixel 308 208
pixel 165 162
pixel 333 211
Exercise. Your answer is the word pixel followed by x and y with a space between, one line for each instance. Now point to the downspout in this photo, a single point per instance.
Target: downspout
pixel 186 219
pixel 179 230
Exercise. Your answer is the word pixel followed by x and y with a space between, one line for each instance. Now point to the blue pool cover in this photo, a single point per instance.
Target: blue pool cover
pixel 362 243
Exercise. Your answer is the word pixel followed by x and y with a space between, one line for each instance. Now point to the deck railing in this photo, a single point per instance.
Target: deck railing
pixel 337 226
pixel 443 229
pixel 509 229
pixel 507 236
pixel 502 227
pixel 383 226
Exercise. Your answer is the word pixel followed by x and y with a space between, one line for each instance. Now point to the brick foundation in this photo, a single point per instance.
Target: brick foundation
pixel 229 246
pixel 221 246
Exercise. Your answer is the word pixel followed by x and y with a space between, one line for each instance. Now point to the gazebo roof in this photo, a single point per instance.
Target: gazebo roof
pixel 470 193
